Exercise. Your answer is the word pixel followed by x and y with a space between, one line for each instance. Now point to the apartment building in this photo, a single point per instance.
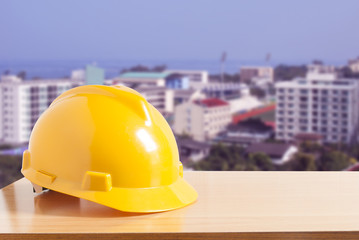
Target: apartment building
pixel 325 107
pixel 202 119
pixel 160 97
pixel 248 73
pixel 159 79
pixel 22 102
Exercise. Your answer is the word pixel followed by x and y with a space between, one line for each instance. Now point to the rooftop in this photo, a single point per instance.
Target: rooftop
pixel 271 149
pixel 192 144
pixel 183 92
pixel 340 83
pixel 212 102
pixel 250 125
pixel 154 75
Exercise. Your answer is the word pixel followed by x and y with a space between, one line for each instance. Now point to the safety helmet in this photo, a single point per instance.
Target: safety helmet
pixel 110 146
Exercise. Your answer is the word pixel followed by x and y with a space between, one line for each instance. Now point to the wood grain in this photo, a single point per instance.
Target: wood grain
pixel 234 205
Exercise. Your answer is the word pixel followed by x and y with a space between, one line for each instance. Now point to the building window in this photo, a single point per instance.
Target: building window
pixel 303 91
pixel 303 128
pixel 345 92
pixel 303 106
pixel 303 99
pixel 303 114
pixel 303 120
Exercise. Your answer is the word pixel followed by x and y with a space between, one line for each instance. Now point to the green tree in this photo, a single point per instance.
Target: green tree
pixel 286 72
pixel 261 160
pixel 334 161
pixel 22 75
pixel 142 68
pixel 309 147
pixel 222 158
pixel 301 162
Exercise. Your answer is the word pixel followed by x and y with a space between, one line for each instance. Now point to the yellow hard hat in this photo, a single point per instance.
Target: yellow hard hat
pixel 110 146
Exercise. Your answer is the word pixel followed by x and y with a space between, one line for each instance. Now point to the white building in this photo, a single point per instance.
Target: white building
pixel 319 71
pixel 202 119
pixel 185 95
pixel 225 91
pixel 159 79
pixel 194 76
pixel 326 107
pixel 22 102
pixel 257 73
pixel 354 65
pixel 160 97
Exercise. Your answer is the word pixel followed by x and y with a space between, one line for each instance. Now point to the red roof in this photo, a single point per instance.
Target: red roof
pixel 212 102
pixel 253 113
pixel 270 124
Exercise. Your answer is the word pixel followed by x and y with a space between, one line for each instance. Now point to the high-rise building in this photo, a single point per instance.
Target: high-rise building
pixel 202 119
pixel 325 107
pixel 23 101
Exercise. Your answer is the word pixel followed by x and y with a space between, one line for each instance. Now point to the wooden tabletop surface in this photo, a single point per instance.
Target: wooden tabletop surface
pixel 322 205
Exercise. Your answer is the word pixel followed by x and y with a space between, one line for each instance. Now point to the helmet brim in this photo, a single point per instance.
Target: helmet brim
pixel 155 199
pixel 142 200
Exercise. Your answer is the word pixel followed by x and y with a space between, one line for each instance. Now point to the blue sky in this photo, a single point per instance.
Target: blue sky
pixel 186 29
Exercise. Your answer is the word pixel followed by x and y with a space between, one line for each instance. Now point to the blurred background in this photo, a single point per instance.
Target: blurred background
pixel 245 85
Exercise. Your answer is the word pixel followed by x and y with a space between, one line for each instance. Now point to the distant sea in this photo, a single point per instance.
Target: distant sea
pixel 63 68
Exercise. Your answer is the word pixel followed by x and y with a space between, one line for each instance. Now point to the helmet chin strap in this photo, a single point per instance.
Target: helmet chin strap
pixel 38 188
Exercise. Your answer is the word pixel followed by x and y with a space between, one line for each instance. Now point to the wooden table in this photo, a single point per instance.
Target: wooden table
pixel 236 205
